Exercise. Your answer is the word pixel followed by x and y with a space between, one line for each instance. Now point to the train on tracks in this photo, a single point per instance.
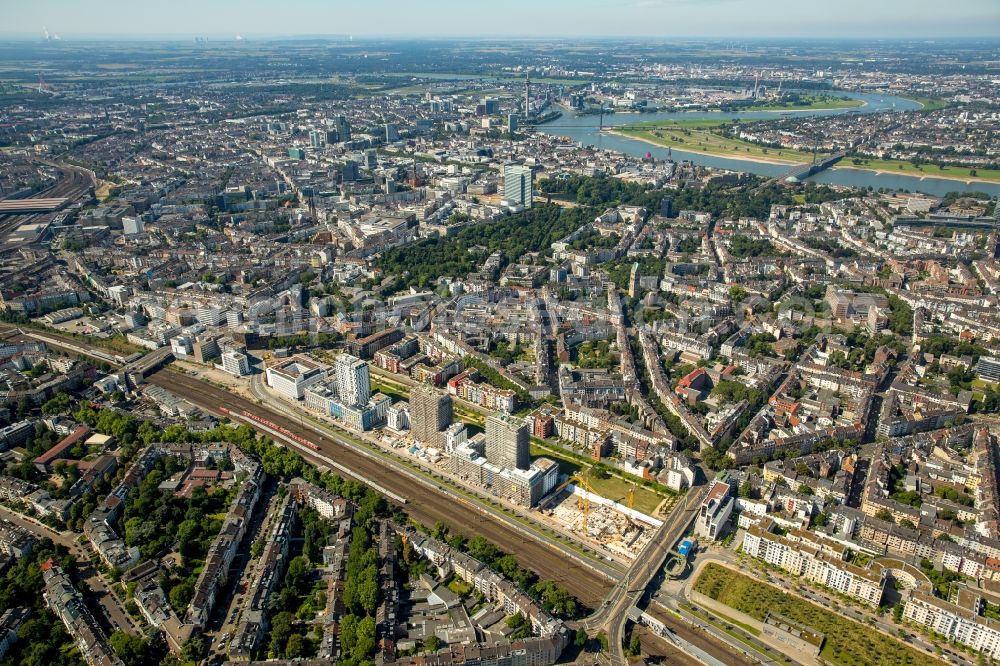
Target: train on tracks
pixel 270 424
pixel 274 428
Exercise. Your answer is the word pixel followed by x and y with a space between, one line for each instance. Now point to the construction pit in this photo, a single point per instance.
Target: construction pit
pixel 609 526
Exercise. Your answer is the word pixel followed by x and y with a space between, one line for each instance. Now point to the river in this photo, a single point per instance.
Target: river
pixel 586 130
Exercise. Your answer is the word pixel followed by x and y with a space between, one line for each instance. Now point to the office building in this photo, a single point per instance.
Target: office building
pixel 398 416
pixel 371 159
pixel 236 363
pixel 430 414
pixel 517 185
pixel 959 623
pixel 716 508
pixel 350 172
pixel 316 139
pixel 507 442
pixel 666 206
pixel 209 315
pixel 291 378
pixel 512 123
pixel 391 133
pixel 353 384
pixel 133 226
pixel 805 554
pixel 206 347
pixel 343 129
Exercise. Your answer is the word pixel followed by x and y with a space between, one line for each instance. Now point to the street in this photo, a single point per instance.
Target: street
pixel 108 607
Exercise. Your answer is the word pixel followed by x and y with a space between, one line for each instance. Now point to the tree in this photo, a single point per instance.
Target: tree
pixel 886 515
pixel 368 590
pixel 715 459
pixel 432 643
pixel 58 404
pixel 297 576
pixel 296 646
pixel 483 550
pixel 132 650
pixel 187 537
pixel 180 595
pixel 193 649
pixel 634 647
pixel 348 631
pixel 281 631
pixel 364 643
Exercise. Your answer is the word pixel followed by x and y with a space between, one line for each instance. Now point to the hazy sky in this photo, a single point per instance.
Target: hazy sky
pixel 432 18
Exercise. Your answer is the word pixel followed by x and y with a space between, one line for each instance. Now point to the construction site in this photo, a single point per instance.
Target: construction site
pixel 618 529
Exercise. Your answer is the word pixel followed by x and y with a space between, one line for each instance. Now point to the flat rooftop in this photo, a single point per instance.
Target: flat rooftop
pixel 15 206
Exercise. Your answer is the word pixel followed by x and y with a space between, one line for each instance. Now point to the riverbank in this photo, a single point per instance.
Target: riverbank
pixel 830 104
pixel 992 179
pixel 883 167
pixel 721 152
pixel 927 103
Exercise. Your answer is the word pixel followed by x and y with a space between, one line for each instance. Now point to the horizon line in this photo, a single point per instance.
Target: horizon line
pixel 237 36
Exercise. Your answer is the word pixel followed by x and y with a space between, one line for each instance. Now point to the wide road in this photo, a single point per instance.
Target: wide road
pixel 629 591
pixel 424 504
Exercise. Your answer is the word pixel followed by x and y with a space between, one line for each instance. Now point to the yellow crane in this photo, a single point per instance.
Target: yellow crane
pixel 630 503
pixel 583 502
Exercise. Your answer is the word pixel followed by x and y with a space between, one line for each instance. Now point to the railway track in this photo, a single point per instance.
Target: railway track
pixel 424 504
pixel 73 184
pixel 721 651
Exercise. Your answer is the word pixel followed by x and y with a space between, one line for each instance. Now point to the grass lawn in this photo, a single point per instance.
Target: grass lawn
pixel 812 103
pixel 391 390
pixel 725 618
pixel 613 488
pixel 848 643
pixel 929 103
pixel 929 170
pixel 399 391
pixel 459 587
pixel 616 489
pixel 698 136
